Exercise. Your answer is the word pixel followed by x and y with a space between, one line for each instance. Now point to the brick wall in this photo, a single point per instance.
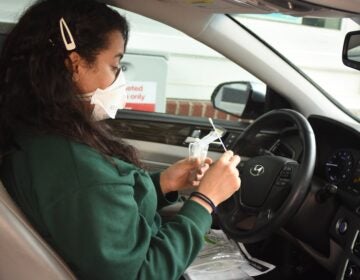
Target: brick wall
pixel 195 108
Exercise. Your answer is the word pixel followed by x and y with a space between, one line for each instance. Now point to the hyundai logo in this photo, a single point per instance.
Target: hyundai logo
pixel 257 170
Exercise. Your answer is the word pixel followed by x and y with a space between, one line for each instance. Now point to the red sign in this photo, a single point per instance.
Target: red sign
pixel 141 96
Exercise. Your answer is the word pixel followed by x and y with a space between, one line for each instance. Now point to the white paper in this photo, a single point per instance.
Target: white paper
pixel 222 258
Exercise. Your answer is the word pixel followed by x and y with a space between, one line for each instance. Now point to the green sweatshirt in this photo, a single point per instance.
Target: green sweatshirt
pixel 101 217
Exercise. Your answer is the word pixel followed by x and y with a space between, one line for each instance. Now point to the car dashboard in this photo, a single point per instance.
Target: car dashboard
pixel 329 219
pixel 327 225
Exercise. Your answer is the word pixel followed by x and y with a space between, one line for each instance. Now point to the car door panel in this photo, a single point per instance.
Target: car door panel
pixel 163 139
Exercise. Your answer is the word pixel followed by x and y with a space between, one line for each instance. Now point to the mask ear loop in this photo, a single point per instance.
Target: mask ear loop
pixel 68 45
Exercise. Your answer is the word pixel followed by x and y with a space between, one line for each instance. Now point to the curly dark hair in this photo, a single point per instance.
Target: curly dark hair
pixel 36 87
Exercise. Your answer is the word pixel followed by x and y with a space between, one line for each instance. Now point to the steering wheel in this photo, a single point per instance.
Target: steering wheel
pixel 272 187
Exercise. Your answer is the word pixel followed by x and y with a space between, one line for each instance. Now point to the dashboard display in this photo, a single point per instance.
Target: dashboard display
pixel 339 167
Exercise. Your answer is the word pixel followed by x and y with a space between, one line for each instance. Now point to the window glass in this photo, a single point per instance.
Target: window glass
pixel 169 72
pixel 317 51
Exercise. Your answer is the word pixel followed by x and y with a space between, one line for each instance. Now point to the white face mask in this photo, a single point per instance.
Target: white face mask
pixel 107 101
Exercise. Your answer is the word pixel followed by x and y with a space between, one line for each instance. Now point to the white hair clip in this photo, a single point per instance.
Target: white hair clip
pixel 69 45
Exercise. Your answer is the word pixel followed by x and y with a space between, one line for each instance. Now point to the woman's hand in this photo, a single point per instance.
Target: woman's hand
pixel 183 174
pixel 221 181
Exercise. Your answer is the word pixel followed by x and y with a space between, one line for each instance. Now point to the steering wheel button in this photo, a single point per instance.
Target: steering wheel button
pixel 342 226
pixel 287 168
pixel 285 174
pixel 281 183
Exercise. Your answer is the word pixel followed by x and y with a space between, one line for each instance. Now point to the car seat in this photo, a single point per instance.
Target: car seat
pixel 23 253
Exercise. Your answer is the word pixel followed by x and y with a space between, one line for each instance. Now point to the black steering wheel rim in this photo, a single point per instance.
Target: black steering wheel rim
pixel 300 181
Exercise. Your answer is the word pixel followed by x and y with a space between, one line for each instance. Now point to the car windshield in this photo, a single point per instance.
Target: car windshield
pixel 314 45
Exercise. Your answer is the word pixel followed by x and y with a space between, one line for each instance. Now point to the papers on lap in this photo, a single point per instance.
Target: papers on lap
pixel 222 258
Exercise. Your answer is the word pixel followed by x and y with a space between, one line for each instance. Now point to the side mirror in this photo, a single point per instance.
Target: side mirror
pixel 351 50
pixel 241 99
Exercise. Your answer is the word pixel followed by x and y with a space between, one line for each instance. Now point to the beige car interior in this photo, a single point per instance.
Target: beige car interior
pixel 24 255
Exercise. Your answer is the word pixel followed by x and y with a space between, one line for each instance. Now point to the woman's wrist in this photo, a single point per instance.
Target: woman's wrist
pixel 205 200
pixel 202 203
pixel 164 184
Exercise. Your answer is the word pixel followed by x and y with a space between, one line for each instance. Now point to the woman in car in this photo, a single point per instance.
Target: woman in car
pixel 82 188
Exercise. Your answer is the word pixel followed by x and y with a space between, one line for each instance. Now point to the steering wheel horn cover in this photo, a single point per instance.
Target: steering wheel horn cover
pixel 257 186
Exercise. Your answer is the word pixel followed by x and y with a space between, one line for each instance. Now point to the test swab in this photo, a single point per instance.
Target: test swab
pixel 222 143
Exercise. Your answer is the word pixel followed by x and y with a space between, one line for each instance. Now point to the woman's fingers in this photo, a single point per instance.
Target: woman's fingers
pixel 195 183
pixel 208 161
pixel 226 156
pixel 235 160
pixel 203 169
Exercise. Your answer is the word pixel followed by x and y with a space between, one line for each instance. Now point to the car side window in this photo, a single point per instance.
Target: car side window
pixel 169 72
